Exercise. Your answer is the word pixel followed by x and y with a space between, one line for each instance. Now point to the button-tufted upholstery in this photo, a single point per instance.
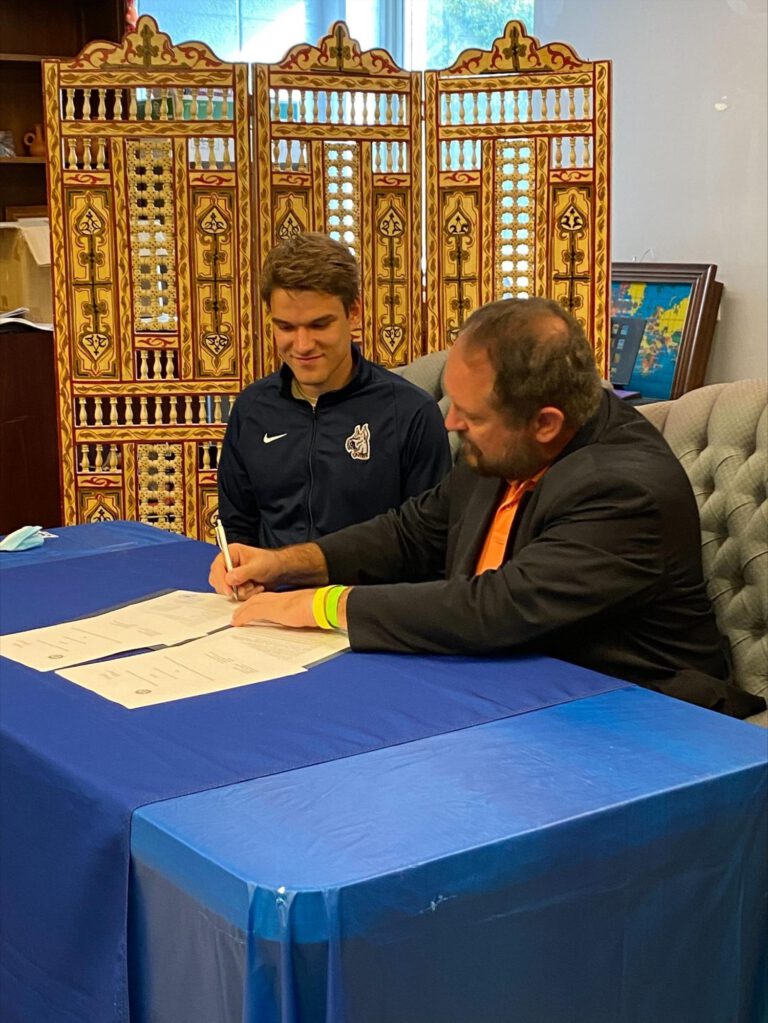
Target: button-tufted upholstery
pixel 720 435
pixel 427 373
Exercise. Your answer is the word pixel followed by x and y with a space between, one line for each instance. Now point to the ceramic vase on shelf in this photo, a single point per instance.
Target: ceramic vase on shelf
pixel 35 141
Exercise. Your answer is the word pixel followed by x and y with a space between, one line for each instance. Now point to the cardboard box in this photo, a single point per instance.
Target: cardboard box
pixel 25 268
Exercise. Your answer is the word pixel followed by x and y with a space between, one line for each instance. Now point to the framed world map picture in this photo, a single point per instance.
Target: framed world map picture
pixel 675 306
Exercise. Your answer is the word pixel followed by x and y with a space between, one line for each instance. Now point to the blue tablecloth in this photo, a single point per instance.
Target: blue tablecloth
pixel 75 766
pixel 99 538
pixel 604 860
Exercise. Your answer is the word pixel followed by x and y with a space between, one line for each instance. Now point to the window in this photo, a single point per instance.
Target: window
pixel 418 33
pixel 436 31
pixel 260 30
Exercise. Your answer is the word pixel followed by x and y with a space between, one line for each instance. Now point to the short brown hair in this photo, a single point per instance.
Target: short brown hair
pixel 311 262
pixel 541 357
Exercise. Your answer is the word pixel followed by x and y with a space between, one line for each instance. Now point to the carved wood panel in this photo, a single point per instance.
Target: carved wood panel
pixel 150 193
pixel 517 171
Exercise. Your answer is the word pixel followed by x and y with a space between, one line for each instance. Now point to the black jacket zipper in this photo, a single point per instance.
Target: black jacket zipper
pixel 310 520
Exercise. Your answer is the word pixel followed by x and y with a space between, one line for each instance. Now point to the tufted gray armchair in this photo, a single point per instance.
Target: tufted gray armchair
pixel 427 373
pixel 720 435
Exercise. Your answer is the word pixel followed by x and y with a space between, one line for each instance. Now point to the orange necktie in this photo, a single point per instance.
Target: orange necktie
pixel 492 554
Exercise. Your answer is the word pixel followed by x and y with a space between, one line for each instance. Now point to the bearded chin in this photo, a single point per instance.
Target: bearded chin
pixel 517 465
pixel 474 459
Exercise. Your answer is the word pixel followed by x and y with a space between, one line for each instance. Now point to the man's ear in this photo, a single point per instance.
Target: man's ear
pixel 548 425
pixel 354 314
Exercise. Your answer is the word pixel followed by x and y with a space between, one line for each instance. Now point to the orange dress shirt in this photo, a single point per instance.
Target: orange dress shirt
pixel 492 554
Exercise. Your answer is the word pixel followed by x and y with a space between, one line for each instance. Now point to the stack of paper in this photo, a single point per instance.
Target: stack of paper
pixel 191 666
pixel 235 657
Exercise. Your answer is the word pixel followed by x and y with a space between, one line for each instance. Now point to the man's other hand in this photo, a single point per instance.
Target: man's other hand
pixel 255 569
pixel 252 570
pixel 292 610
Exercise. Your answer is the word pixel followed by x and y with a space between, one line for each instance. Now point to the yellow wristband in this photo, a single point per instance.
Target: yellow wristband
pixel 331 608
pixel 318 608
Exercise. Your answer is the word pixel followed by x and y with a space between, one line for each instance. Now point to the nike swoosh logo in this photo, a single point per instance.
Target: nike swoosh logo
pixel 277 436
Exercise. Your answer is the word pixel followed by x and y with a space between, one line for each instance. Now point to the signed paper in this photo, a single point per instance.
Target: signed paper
pixel 160 621
pixel 226 660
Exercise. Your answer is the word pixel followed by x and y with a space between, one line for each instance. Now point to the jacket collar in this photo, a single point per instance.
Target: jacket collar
pixel 592 429
pixel 361 374
pixel 489 491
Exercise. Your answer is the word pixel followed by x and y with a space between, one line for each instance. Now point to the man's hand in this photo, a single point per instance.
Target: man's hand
pixel 252 571
pixel 293 610
pixel 255 569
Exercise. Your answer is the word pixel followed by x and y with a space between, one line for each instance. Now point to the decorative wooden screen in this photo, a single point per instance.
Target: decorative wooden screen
pixel 149 147
pixel 337 149
pixel 149 179
pixel 517 156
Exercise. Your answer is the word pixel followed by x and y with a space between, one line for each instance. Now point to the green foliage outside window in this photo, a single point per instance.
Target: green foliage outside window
pixel 454 25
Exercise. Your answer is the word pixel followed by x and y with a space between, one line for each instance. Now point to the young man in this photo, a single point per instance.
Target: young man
pixel 569 528
pixel 331 439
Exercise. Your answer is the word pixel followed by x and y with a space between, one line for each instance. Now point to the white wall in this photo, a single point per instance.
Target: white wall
pixel 689 181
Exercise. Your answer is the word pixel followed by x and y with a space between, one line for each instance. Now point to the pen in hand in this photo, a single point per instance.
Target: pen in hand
pixel 221 540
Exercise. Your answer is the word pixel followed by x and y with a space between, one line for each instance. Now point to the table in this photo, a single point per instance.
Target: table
pixel 384 839
pixel 602 860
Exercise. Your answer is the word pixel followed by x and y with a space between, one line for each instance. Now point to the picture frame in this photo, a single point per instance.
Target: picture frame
pixel 679 303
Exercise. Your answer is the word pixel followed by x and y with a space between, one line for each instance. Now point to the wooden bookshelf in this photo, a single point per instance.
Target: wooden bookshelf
pixel 22 159
pixel 31 31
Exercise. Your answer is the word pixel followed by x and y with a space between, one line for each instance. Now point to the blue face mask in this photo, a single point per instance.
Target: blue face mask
pixel 22 539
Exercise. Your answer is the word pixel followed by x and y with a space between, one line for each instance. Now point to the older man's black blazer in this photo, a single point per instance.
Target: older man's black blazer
pixel 603 568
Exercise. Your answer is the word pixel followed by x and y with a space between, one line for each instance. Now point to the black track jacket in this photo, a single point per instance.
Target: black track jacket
pixel 289 473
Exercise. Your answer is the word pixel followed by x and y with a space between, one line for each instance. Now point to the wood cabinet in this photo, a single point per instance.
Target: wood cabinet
pixel 29 454
pixel 29 31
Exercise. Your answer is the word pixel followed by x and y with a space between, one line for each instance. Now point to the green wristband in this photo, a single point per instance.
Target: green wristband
pixel 332 598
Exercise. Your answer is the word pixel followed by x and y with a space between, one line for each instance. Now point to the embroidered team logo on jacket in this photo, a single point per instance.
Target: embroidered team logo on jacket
pixel 358 443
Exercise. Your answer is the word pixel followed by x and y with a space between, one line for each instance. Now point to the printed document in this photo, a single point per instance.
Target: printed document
pixel 226 660
pixel 160 621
